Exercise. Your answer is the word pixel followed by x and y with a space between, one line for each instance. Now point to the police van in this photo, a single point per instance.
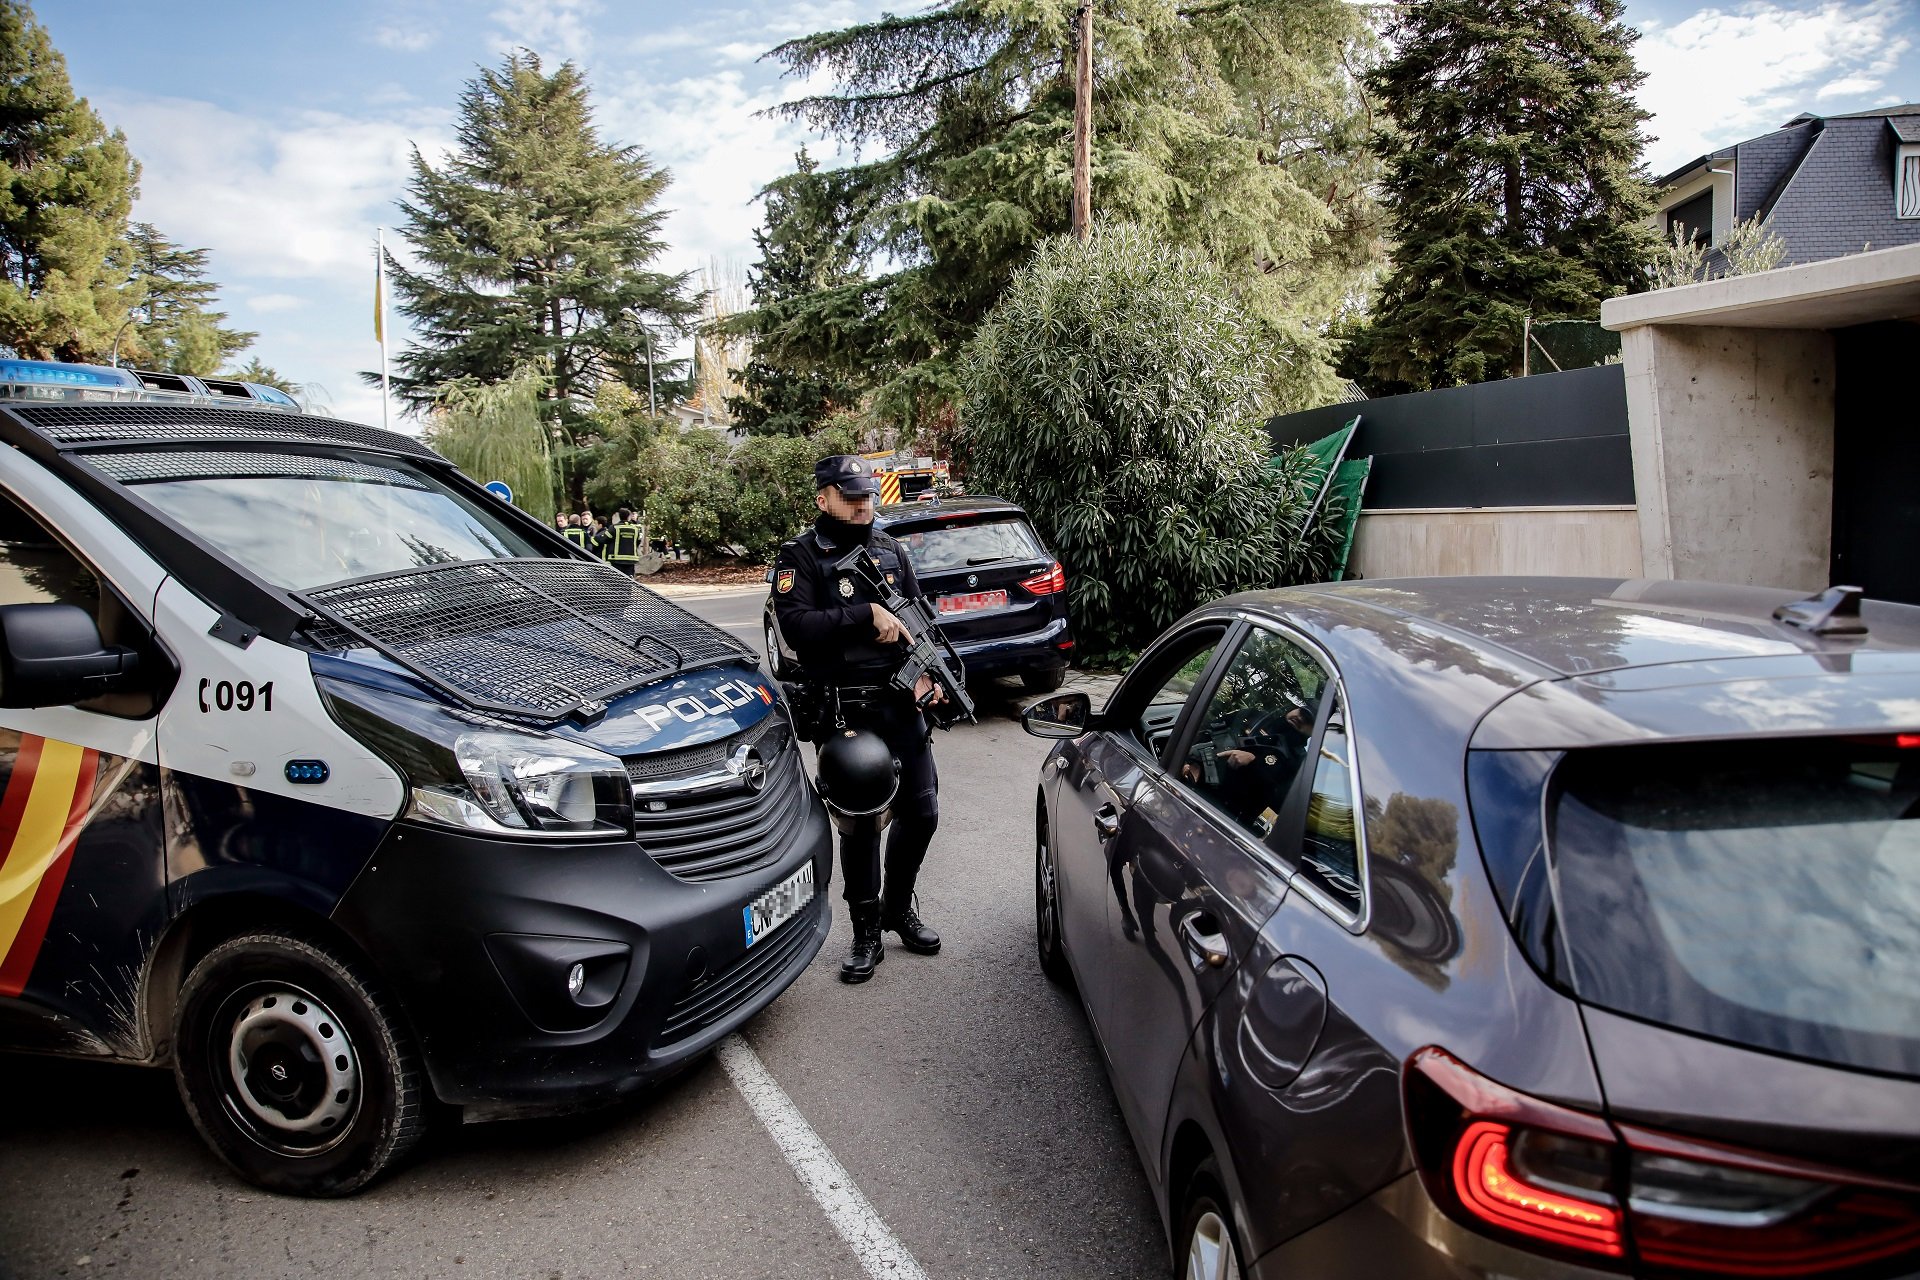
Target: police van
pixel 355 795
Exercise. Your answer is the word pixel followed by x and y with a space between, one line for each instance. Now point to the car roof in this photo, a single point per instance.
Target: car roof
pixel 1562 662
pixel 1578 626
pixel 946 508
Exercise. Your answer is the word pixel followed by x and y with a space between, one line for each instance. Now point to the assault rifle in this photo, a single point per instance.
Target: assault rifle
pixel 929 652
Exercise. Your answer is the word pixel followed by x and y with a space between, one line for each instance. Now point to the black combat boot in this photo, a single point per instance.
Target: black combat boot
pixel 868 950
pixel 901 918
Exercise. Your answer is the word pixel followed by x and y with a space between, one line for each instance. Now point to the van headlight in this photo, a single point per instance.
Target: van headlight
pixel 479 775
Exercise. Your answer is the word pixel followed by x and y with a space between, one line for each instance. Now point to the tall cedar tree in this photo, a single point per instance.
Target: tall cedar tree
pixel 784 392
pixel 66 187
pixel 534 243
pixel 1513 179
pixel 174 326
pixel 1232 127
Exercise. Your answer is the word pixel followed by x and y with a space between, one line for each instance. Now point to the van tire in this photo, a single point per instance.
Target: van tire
pixel 296 1067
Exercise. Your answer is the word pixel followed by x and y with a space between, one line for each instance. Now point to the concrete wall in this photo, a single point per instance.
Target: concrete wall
pixel 1732 452
pixel 1424 542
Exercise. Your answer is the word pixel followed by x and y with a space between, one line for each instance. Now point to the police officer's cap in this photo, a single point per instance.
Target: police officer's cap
pixel 850 473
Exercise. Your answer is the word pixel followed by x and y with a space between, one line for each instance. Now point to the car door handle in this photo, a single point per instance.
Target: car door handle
pixel 1210 948
pixel 1106 821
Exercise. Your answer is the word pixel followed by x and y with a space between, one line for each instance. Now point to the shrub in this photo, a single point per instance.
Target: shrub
pixel 495 432
pixel 1116 392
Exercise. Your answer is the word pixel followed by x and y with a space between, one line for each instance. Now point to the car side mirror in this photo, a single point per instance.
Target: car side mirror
pixel 1065 715
pixel 51 655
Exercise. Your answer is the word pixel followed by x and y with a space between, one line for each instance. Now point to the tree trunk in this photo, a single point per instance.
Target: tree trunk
pixel 1082 216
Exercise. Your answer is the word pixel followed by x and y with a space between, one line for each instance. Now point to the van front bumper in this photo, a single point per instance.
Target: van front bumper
pixel 477 939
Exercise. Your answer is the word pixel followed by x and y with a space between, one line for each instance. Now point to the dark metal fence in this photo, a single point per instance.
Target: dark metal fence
pixel 1552 440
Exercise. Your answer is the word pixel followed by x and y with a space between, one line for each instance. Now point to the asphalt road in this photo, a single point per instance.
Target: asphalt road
pixel 961 1093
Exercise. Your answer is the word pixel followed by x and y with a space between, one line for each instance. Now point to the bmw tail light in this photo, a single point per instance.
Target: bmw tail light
pixel 1565 1182
pixel 1045 584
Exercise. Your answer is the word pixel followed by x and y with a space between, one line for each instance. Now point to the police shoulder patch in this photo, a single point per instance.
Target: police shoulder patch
pixel 785 581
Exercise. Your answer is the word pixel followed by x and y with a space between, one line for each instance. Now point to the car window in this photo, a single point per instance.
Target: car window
pixel 1155 696
pixel 1330 850
pixel 961 546
pixel 36 569
pixel 1251 743
pixel 1766 893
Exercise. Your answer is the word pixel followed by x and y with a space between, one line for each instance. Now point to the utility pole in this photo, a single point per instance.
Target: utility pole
pixel 1082 221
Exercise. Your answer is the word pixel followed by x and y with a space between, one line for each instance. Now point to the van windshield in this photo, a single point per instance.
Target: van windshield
pixel 303 520
pixel 1763 893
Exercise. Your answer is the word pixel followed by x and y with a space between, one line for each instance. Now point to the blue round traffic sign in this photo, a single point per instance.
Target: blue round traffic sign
pixel 499 489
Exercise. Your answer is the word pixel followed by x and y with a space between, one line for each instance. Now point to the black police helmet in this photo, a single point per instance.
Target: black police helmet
pixel 857 777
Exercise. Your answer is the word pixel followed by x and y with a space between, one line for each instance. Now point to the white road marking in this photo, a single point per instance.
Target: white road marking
pixel 880 1252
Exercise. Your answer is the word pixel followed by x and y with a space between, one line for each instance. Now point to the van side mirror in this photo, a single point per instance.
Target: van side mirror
pixel 52 655
pixel 769 574
pixel 1065 715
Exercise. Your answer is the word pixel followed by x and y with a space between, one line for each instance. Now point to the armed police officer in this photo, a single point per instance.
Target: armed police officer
pixel 828 601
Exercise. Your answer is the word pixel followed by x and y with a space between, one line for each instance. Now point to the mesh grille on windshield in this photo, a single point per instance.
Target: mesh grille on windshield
pixel 536 638
pixel 178 464
pixel 80 423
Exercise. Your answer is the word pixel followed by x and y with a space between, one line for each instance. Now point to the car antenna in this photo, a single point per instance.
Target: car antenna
pixel 1833 612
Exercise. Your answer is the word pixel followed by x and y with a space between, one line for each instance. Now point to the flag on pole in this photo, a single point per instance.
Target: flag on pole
pixel 379 290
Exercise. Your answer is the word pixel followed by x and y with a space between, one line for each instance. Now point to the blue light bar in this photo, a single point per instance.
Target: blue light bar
pixel 50 373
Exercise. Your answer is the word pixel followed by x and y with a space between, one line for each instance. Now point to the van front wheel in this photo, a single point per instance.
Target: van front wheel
pixel 295 1067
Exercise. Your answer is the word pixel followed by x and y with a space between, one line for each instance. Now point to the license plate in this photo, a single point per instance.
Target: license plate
pixel 779 904
pixel 972 600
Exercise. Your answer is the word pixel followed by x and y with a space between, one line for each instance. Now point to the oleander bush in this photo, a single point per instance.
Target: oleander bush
pixel 1117 392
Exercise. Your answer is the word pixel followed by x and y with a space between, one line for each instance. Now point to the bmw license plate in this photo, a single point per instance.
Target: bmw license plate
pixel 779 904
pixel 972 600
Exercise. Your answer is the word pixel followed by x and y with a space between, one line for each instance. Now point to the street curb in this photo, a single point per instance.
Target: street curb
pixel 696 589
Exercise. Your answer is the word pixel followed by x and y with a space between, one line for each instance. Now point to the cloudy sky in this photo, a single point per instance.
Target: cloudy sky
pixel 277 134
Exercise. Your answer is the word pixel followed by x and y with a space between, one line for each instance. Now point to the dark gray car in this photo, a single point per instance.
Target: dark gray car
pixel 1505 927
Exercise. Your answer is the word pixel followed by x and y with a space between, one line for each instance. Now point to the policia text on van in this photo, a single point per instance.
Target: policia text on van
pixel 340 786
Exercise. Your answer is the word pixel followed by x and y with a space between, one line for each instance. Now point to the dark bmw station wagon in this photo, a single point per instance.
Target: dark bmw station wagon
pixel 1000 594
pixel 1506 927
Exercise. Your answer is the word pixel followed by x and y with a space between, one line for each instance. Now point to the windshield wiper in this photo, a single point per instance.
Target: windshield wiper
pixel 975 561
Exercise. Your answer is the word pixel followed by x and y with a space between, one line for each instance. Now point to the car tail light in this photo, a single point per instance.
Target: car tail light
pixel 1045 584
pixel 1567 1182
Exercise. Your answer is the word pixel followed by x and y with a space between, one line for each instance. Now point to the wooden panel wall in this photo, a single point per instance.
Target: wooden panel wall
pixel 1426 542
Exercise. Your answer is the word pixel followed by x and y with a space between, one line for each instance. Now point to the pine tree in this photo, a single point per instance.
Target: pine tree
pixel 1226 127
pixel 534 243
pixel 784 392
pixel 1514 182
pixel 66 187
pixel 267 376
pixel 174 327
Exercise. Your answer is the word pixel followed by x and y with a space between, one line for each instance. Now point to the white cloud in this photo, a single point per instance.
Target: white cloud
pixel 551 28
pixel 1725 75
pixel 403 37
pixel 292 198
pixel 267 303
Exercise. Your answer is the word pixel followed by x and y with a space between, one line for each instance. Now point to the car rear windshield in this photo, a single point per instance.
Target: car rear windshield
pixel 1764 893
pixel 305 520
pixel 940 547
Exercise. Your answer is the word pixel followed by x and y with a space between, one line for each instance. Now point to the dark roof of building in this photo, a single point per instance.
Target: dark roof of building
pixel 1823 184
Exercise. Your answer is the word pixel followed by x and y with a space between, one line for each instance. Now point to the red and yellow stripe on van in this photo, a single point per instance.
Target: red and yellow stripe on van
pixel 41 816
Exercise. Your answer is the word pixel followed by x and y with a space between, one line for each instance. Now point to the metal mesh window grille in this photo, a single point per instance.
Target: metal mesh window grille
pixel 171 464
pixel 80 423
pixel 535 638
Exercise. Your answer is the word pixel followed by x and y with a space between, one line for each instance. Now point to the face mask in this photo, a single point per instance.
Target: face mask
pixel 843 534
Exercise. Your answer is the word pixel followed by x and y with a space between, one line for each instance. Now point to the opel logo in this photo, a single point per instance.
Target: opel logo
pixel 749 768
pixel 973 579
pixel 278 1072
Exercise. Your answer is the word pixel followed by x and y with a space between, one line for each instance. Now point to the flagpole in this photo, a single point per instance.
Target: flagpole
pixel 380 327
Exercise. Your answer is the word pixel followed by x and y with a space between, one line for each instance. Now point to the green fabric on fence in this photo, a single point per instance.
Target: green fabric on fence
pixel 1348 483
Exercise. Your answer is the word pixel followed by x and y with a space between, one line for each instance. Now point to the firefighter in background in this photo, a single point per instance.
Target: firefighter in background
pixel 575 532
pixel 624 550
